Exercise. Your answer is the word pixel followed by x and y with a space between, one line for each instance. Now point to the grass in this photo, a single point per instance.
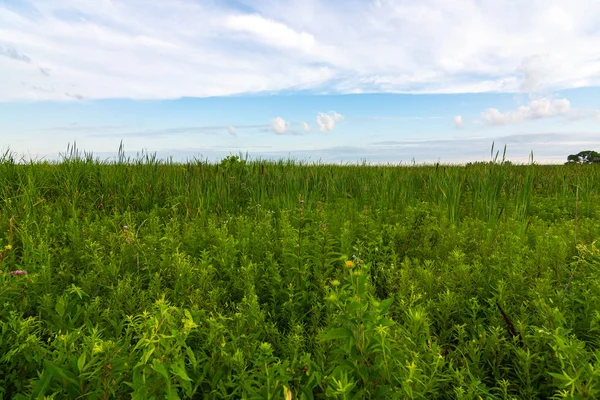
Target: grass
pixel 149 279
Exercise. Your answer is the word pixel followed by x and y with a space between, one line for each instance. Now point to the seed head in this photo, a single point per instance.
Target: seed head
pixel 18 272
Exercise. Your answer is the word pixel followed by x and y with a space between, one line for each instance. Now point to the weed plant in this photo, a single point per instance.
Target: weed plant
pixel 150 279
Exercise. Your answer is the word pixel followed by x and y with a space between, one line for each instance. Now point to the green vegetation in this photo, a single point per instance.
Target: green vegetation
pixel 149 279
pixel 585 157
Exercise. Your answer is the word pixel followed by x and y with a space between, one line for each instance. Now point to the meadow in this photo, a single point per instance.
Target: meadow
pixel 151 279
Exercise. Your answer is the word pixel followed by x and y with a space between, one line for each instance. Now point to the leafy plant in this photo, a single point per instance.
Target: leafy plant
pixel 146 278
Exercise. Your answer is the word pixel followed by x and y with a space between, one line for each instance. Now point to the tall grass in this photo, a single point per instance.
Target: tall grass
pixel 148 278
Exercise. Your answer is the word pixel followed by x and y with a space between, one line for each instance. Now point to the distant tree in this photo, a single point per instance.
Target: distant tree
pixel 584 157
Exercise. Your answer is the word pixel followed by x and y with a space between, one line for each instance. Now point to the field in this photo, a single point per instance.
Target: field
pixel 150 279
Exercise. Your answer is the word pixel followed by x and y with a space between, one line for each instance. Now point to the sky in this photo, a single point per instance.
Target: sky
pixel 381 81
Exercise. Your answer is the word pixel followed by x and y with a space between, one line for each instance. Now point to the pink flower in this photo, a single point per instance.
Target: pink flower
pixel 18 272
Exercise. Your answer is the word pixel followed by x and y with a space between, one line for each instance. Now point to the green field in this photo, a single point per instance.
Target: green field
pixel 150 279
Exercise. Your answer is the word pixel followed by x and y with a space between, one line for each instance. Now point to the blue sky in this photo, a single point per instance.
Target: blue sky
pixel 382 81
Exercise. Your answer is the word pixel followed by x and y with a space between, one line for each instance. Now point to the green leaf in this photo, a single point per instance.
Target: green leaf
pixel 172 395
pixel 385 305
pixel 563 377
pixel 180 372
pixel 160 368
pixel 42 385
pixel 59 372
pixel 60 307
pixel 385 322
pixel 192 357
pixel 146 356
pixel 338 333
pixel 353 306
pixel 81 362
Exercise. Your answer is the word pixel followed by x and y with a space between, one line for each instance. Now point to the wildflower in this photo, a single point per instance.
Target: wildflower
pixel 125 227
pixel 349 263
pixel 8 247
pixel 97 348
pixel 18 272
pixel 287 393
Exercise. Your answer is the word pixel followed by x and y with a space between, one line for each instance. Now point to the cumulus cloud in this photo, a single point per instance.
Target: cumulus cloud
pixel 231 130
pixel 458 122
pixel 326 121
pixel 278 125
pixel 536 109
pixel 306 126
pixel 336 117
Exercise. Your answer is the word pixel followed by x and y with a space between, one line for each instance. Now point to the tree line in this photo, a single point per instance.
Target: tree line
pixel 584 157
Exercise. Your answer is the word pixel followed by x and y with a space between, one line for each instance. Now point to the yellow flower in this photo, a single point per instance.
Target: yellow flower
pixel 8 247
pixel 349 263
pixel 98 348
pixel 287 393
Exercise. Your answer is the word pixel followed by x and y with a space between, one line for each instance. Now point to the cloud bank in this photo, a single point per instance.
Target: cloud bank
pixel 430 46
pixel 536 109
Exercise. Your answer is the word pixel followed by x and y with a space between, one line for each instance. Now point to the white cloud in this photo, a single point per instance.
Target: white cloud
pixel 336 117
pixel 231 130
pixel 458 122
pixel 534 71
pixel 278 125
pixel 306 126
pixel 326 121
pixel 598 116
pixel 272 33
pixel 536 109
pixel 206 48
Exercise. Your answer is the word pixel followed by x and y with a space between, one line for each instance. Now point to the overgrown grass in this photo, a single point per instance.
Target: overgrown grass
pixel 253 279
